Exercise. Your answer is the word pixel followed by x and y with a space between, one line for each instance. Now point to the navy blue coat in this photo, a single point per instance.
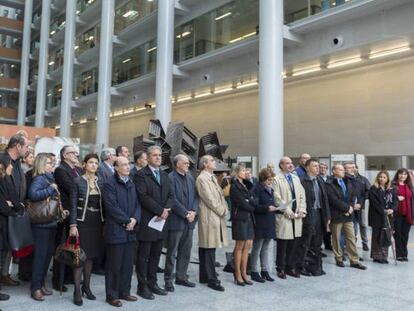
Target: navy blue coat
pixel 121 203
pixel 265 221
pixel 182 205
pixel 40 189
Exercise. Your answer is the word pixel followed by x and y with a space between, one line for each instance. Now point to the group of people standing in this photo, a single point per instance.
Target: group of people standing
pixel 124 214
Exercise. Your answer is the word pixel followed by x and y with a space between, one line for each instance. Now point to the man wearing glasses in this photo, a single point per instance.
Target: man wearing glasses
pixel 181 224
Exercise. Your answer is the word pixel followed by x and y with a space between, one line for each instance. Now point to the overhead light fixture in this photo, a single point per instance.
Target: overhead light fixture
pixel 52 32
pixel 202 95
pixel 184 34
pixel 344 62
pixel 91 38
pixel 304 71
pixel 130 13
pixel 243 37
pixel 245 85
pixel 51 63
pixel 82 121
pixel 223 90
pixel 181 99
pixel 223 16
pixel 76 47
pixel 126 60
pixel 151 49
pixel 392 51
pixel 77 12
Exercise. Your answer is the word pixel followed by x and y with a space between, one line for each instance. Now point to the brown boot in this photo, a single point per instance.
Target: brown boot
pixel 37 295
pixel 46 291
pixel 8 281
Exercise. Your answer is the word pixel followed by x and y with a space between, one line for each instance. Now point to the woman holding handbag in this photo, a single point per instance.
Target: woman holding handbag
pixel 86 223
pixel 41 191
pixel 382 204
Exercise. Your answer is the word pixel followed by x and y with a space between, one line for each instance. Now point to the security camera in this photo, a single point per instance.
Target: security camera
pixel 206 77
pixel 338 41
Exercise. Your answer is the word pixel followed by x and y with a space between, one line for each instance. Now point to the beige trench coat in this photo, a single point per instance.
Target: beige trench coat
pixel 282 194
pixel 212 230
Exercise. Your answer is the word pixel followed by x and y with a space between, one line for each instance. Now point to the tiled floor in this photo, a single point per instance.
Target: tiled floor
pixel 381 287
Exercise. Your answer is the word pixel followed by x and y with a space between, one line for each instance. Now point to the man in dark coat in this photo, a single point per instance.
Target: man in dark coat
pixel 318 217
pixel 300 170
pixel 123 213
pixel 140 161
pixel 341 195
pixel 15 151
pixel 181 224
pixel 106 167
pixel 157 200
pixel 65 174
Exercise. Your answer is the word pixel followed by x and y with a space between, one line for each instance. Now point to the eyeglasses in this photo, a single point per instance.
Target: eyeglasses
pixel 69 152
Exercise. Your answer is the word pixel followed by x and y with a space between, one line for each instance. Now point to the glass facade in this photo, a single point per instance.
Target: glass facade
pixel 56 60
pixel 54 97
pixel 88 39
pixel 83 5
pixel 299 9
pixel 131 12
pixel 231 23
pixel 13 71
pixel 135 63
pixel 57 24
pixel 86 83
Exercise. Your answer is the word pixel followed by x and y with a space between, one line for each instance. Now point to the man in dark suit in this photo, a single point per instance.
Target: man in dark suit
pixel 106 167
pixel 156 198
pixel 342 197
pixel 15 151
pixel 181 224
pixel 123 213
pixel 318 217
pixel 65 174
pixel 140 161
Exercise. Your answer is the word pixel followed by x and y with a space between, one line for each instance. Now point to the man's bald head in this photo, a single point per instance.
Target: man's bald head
pixel 303 158
pixel 286 165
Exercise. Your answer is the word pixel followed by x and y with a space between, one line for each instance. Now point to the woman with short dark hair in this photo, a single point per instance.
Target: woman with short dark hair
pixel 86 222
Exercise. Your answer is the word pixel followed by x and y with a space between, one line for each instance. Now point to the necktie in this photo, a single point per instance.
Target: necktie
pixel 343 187
pixel 157 176
pixel 289 179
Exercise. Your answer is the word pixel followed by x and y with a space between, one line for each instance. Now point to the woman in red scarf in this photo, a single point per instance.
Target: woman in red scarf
pixel 404 216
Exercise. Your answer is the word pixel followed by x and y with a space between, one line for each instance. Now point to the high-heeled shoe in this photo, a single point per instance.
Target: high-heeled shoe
pixel 246 281
pixel 87 292
pixel 77 298
pixel 237 282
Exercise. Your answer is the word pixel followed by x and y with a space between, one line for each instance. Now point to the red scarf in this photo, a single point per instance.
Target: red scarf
pixel 404 206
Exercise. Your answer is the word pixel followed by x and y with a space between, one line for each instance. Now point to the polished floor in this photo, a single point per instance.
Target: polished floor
pixel 381 287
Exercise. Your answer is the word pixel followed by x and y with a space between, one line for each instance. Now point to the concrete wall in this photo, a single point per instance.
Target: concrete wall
pixel 367 110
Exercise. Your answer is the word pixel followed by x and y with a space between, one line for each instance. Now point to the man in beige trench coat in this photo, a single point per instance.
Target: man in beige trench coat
pixel 212 231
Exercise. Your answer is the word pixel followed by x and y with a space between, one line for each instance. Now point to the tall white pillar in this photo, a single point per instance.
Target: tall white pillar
pixel 43 64
pixel 67 81
pixel 271 82
pixel 105 74
pixel 165 53
pixel 24 65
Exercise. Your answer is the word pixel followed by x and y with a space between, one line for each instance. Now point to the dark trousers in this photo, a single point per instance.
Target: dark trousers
pixel 149 253
pixel 118 270
pixel 207 258
pixel 62 231
pixel 285 256
pixel 25 268
pixel 401 235
pixel 179 244
pixel 311 239
pixel 43 249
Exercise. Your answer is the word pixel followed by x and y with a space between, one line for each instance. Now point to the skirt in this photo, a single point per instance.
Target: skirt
pixel 243 230
pixel 378 252
pixel 91 234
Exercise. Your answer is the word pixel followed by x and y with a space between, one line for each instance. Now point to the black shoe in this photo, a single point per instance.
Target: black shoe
pixel 99 272
pixel 169 287
pixel 266 276
pixel 145 293
pixel 217 264
pixel 328 248
pixel 405 258
pixel 378 261
pixel 87 292
pixel 185 283
pixel 216 286
pixel 358 266
pixel 365 247
pixel 385 261
pixel 323 272
pixel 77 298
pixel 323 255
pixel 4 297
pixel 340 264
pixel 255 276
pixel 155 289
pixel 203 281
pixel 305 272
pixel 400 259
pixel 57 288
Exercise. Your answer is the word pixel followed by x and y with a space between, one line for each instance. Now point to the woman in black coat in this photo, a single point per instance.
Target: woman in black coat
pixel 243 204
pixel 382 205
pixel 265 228
pixel 86 223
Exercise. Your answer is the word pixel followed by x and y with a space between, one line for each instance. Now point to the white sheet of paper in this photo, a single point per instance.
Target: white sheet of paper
pixel 156 224
pixel 282 207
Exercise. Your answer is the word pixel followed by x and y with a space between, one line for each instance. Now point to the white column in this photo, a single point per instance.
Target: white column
pixel 43 64
pixel 271 82
pixel 24 65
pixel 165 49
pixel 105 74
pixel 67 81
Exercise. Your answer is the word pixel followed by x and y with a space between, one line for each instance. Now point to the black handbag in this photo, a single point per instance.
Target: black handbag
pixel 71 254
pixel 20 231
pixel 386 233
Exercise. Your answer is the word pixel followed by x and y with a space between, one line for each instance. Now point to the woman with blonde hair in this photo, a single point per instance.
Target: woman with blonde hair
pixel 382 205
pixel 42 188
